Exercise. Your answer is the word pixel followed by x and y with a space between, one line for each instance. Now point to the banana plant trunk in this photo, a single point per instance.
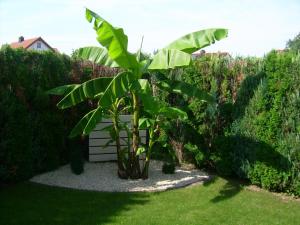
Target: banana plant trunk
pixel 178 147
pixel 135 171
pixel 177 140
pixel 121 169
pixel 145 173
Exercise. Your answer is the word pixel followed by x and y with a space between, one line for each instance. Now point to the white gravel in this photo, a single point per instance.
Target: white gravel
pixel 103 177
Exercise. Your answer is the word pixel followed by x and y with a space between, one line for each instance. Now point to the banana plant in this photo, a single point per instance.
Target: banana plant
pixel 113 112
pixel 115 130
pixel 156 117
pixel 114 53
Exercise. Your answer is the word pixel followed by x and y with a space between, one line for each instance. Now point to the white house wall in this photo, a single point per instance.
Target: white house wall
pixel 43 46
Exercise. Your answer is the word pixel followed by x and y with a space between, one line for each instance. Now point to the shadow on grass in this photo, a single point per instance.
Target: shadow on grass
pixel 229 189
pixel 29 203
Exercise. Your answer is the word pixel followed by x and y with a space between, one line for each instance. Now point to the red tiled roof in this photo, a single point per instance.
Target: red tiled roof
pixel 24 44
pixel 27 43
pixel 55 50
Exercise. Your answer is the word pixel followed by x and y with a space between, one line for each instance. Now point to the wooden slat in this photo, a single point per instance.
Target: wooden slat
pixel 107 157
pixel 100 126
pixel 98 138
pixel 102 157
pixel 102 142
pixel 123 118
pixel 101 150
pixel 105 134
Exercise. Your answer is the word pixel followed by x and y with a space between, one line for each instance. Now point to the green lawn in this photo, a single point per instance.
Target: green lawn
pixel 218 202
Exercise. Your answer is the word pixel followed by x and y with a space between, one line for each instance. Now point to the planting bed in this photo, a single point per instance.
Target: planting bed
pixel 103 177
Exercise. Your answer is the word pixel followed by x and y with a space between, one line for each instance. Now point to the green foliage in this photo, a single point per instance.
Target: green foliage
pixel 259 140
pixel 222 156
pixel 170 59
pixel 95 54
pixel 268 177
pixel 199 155
pixel 80 93
pixel 33 135
pixel 16 153
pixel 113 39
pixel 253 132
pixel 128 83
pixel 294 44
pixel 168 168
pixel 76 159
pixel 199 39
pixel 178 53
pixel 271 117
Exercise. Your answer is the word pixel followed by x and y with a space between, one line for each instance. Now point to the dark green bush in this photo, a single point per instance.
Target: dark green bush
pixel 168 167
pixel 268 177
pixel 222 156
pixel 198 154
pixel 33 132
pixel 253 133
pixel 16 156
pixel 264 140
pixel 76 158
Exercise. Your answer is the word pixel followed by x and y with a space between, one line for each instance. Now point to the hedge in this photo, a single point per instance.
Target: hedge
pixel 270 124
pixel 254 131
pixel 33 132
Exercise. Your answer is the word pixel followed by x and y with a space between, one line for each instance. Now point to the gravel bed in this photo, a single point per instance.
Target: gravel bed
pixel 103 177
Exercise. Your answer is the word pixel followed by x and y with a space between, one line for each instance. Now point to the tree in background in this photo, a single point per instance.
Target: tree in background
pixel 294 44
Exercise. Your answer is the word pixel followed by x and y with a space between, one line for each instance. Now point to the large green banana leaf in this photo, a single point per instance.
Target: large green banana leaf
pixel 80 126
pixel 62 90
pixel 169 59
pixel 143 89
pixel 141 86
pixel 114 40
pixel 154 106
pixel 118 87
pixel 96 55
pixel 194 41
pixel 87 123
pixel 145 123
pixel 86 90
pixel 94 119
pixel 173 113
pixel 177 54
pixel 186 89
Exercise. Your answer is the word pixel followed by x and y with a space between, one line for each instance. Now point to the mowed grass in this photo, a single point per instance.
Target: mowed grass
pixel 217 202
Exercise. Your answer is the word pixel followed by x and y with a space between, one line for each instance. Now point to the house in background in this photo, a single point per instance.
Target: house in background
pixel 37 44
pixel 202 52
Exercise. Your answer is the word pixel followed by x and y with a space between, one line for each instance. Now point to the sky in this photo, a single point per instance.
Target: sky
pixel 255 26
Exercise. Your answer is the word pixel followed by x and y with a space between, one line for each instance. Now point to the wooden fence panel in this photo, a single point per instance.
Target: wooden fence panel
pixel 99 149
